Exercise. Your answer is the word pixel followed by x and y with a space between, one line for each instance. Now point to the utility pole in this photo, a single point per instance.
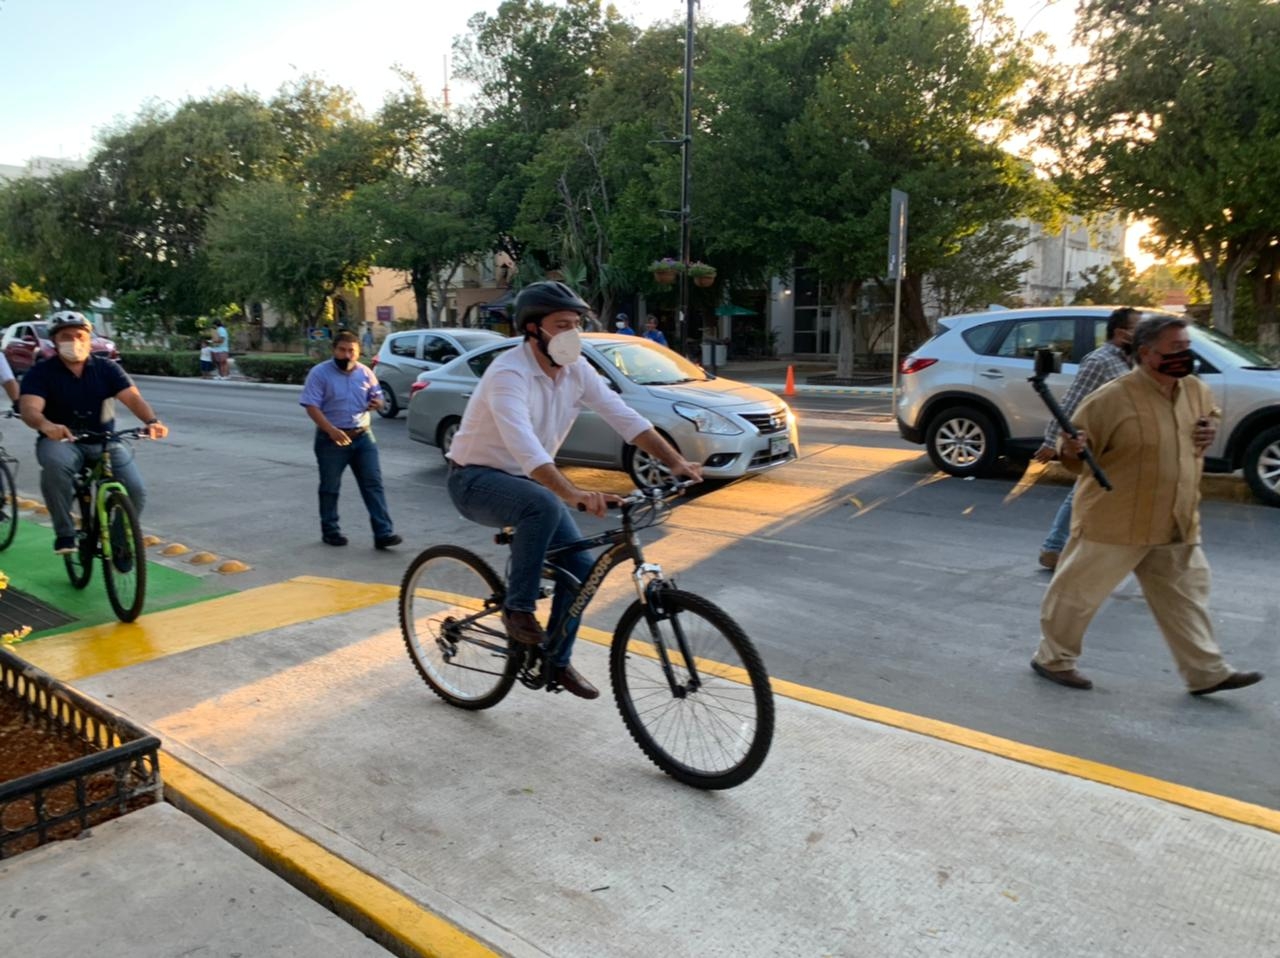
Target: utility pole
pixel 686 142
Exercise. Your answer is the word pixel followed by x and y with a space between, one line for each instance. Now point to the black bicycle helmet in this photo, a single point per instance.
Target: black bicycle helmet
pixel 68 319
pixel 541 299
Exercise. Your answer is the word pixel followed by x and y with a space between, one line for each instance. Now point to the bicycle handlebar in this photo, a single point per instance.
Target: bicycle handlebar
pixel 668 490
pixel 112 435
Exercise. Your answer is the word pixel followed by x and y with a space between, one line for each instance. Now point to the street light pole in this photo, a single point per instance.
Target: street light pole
pixel 685 143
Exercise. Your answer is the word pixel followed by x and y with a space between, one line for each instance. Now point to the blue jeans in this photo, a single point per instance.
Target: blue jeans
pixel 59 463
pixel 1061 528
pixel 542 521
pixel 362 456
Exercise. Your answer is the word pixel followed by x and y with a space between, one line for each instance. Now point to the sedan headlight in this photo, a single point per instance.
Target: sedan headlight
pixel 704 420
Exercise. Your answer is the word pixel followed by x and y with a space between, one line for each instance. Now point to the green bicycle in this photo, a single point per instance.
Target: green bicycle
pixel 8 494
pixel 109 530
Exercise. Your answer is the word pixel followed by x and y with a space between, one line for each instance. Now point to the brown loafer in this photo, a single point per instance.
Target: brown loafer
pixel 1236 680
pixel 1068 677
pixel 1049 559
pixel 522 627
pixel 575 684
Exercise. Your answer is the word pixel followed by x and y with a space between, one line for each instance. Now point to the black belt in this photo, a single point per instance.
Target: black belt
pixel 357 431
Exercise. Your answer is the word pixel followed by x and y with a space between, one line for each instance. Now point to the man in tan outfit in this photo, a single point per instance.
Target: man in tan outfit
pixel 1148 429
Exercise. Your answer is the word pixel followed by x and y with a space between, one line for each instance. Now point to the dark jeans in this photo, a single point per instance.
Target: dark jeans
pixel 495 498
pixel 362 457
pixel 59 463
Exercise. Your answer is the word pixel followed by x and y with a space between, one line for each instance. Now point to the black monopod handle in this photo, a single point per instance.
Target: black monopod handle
pixel 1037 383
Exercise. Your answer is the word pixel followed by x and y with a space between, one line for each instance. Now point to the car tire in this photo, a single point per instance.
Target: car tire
pixel 1262 466
pixel 444 434
pixel 645 471
pixel 392 408
pixel 962 442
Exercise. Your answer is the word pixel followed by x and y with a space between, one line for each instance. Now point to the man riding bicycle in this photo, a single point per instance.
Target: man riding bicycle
pixel 64 396
pixel 502 470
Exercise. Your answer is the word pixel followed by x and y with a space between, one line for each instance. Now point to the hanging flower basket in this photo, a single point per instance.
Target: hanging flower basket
pixel 702 274
pixel 665 270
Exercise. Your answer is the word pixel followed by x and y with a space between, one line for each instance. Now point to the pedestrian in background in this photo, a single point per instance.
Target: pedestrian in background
pixel 1148 430
pixel 338 396
pixel 622 325
pixel 651 330
pixel 1109 361
pixel 366 340
pixel 221 351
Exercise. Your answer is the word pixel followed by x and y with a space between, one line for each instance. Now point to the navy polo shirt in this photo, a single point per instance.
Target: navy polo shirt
pixel 76 401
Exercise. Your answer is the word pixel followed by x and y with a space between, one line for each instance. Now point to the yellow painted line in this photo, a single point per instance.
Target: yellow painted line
pixel 351 893
pixel 100 648
pixel 1210 803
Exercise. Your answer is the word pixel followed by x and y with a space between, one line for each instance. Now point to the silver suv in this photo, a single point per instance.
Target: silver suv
pixel 966 397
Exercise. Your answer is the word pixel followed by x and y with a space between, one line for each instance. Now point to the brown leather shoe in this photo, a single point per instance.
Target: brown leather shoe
pixel 522 627
pixel 575 684
pixel 1068 677
pixel 1049 559
pixel 1236 680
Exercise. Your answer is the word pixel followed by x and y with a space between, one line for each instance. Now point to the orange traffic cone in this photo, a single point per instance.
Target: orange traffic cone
pixel 790 388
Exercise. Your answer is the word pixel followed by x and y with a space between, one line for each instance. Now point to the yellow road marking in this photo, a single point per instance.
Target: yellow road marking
pixel 352 893
pixel 100 648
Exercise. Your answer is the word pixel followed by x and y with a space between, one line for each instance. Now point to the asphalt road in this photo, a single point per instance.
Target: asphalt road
pixel 857 569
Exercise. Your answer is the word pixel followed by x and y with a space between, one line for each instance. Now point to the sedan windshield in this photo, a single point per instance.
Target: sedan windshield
pixel 647 364
pixel 470 341
pixel 41 330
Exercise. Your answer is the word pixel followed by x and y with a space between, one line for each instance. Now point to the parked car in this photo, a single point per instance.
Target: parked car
pixel 404 355
pixel 731 428
pixel 966 396
pixel 25 344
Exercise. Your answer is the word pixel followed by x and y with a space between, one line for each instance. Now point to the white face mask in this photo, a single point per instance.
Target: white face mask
pixel 565 348
pixel 74 351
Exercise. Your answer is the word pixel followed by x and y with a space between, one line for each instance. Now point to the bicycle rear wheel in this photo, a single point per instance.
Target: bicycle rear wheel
pixel 8 506
pixel 125 570
pixel 80 563
pixel 715 729
pixel 450 605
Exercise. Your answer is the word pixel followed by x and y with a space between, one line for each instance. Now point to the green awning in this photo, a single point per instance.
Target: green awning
pixel 731 309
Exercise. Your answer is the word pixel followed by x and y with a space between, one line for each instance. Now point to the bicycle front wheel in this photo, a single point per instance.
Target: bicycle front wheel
pixel 80 563
pixel 450 605
pixel 125 569
pixel 710 724
pixel 8 506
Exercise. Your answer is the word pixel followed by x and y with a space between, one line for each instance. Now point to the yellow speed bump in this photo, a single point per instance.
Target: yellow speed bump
pixel 203 558
pixel 27 504
pixel 174 549
pixel 40 510
pixel 150 541
pixel 232 566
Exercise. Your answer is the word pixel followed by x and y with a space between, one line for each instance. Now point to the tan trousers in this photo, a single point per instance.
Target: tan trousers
pixel 1175 582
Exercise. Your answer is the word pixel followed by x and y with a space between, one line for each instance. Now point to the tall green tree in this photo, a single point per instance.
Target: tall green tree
pixel 1175 118
pixel 275 241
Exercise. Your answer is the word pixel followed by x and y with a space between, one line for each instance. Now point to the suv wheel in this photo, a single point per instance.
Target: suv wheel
pixel 1262 466
pixel 962 442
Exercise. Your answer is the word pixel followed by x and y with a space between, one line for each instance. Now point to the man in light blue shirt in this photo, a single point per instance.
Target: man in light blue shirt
pixel 338 396
pixel 652 332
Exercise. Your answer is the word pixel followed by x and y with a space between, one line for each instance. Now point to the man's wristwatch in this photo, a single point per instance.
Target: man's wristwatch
pixel 151 422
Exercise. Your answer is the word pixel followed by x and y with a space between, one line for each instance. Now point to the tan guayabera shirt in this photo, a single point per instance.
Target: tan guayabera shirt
pixel 1143 441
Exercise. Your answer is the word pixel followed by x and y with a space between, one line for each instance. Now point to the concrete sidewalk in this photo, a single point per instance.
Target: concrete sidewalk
pixel 538 828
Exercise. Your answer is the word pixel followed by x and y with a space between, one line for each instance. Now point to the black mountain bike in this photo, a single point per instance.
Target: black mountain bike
pixel 8 494
pixel 109 530
pixel 690 686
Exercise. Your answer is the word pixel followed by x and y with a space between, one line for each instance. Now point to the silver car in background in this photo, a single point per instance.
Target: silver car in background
pixel 966 396
pixel 731 428
pixel 403 355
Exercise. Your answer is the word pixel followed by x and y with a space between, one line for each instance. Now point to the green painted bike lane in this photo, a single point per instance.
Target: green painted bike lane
pixel 33 568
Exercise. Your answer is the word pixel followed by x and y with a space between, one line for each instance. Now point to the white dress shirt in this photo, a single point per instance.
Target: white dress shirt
pixel 519 416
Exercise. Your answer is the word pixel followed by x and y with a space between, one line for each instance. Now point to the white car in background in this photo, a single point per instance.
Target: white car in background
pixel 731 428
pixel 405 354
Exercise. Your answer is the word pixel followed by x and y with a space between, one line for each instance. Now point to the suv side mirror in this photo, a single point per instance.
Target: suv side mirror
pixel 1047 362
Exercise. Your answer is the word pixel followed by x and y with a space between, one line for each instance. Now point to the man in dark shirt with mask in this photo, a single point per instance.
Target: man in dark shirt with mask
pixel 338 396
pixel 65 396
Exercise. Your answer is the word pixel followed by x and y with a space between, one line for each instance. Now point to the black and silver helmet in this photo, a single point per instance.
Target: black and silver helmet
pixel 541 299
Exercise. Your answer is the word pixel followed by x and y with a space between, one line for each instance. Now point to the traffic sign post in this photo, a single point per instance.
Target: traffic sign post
pixel 897 266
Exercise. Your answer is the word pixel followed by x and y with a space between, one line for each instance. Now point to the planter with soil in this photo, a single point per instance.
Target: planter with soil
pixel 67 762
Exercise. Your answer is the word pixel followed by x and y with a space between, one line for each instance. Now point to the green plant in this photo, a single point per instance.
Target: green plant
pixel 284 334
pixel 276 368
pixel 696 269
pixel 667 265
pixel 161 362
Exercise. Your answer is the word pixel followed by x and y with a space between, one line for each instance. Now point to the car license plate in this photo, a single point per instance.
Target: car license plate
pixel 779 446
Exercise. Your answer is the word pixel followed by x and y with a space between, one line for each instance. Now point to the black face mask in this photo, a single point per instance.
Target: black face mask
pixel 342 363
pixel 1177 364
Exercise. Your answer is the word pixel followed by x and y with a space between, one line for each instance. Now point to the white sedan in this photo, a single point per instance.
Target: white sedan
pixel 731 428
